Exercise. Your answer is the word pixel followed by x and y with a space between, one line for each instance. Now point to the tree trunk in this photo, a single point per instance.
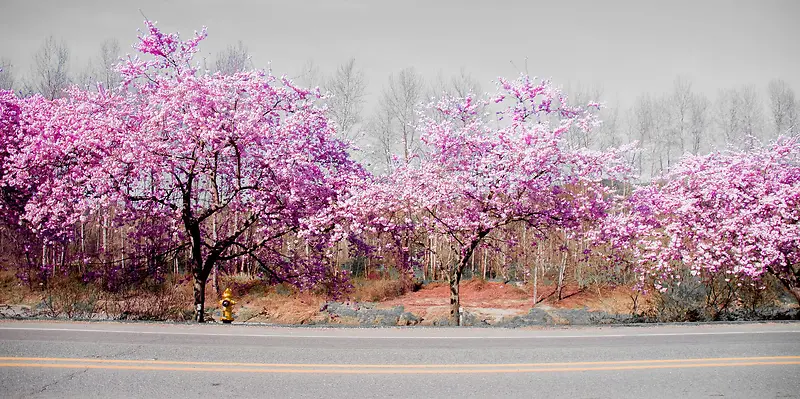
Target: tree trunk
pixel 215 269
pixel 536 283
pixel 215 279
pixel 122 253
pixel 82 264
pixel 454 279
pixel 485 261
pixel 199 297
pixel 561 274
pixel 200 270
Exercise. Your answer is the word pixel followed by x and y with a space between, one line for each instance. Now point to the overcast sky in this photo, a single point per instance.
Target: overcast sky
pixel 627 47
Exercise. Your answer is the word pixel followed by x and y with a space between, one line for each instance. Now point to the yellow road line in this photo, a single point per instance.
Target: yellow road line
pixel 395 366
pixel 392 371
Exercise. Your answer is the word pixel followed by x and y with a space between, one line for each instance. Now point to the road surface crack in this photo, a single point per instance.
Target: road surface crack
pixel 126 352
pixel 66 378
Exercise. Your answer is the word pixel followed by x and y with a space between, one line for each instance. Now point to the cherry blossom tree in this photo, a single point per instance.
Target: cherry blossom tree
pixel 27 246
pixel 10 113
pixel 476 177
pixel 735 214
pixel 215 157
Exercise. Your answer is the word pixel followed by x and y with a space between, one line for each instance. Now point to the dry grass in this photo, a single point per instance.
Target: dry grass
pixel 13 291
pixel 243 284
pixel 278 306
pixel 380 290
pixel 259 302
pixel 609 299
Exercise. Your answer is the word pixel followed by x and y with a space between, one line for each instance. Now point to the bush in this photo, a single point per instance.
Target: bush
pixel 70 297
pixel 166 305
pixel 721 296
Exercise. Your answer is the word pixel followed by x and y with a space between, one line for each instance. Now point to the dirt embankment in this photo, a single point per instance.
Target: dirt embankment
pixel 372 303
pixel 483 303
pixel 495 303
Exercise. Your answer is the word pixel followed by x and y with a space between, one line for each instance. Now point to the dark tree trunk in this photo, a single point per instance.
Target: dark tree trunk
pixel 200 271
pixel 454 279
pixel 199 297
pixel 201 275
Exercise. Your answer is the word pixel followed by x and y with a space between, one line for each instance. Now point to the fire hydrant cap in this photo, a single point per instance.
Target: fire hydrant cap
pixel 227 294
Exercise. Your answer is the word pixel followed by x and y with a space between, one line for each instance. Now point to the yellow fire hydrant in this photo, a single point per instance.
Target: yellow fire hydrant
pixel 227 306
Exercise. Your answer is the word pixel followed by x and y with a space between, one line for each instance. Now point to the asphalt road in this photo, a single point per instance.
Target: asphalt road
pixel 50 359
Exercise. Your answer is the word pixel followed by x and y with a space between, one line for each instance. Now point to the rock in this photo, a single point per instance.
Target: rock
pixel 16 311
pixel 538 316
pixel 573 316
pixel 469 319
pixel 367 314
pixel 338 309
pixel 535 317
pixel 380 317
pixel 408 319
pixel 442 322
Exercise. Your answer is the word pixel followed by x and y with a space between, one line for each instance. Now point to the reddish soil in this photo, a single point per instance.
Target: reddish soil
pixel 433 300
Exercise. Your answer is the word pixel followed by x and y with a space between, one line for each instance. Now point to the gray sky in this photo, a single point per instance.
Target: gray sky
pixel 628 47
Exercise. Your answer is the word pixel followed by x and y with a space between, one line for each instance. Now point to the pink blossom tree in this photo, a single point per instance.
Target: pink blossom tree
pixel 476 176
pixel 731 214
pixel 215 157
pixel 10 111
pixel 15 119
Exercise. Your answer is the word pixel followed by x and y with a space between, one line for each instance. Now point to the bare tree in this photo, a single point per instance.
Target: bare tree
pixel 309 75
pixel 102 68
pixel 382 126
pixel 698 122
pixel 347 87
pixel 664 140
pixel 109 57
pixel 681 101
pixel 610 129
pixel 727 117
pixel 642 128
pixel 752 116
pixel 581 95
pixel 783 107
pixel 50 69
pixel 740 116
pixel 235 58
pixel 459 85
pixel 401 99
pixel 6 74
